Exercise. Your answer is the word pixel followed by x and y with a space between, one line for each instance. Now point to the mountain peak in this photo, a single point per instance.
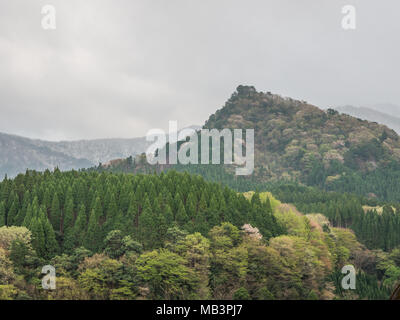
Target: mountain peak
pixel 243 90
pixel 291 136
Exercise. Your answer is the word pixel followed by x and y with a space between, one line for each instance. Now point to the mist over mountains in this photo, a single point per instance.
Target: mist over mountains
pixel 19 153
pixel 387 114
pixel 389 108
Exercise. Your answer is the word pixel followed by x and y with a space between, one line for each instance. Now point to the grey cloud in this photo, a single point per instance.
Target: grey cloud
pixel 120 68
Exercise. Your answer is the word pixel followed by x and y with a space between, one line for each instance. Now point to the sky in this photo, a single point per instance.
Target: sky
pixel 118 68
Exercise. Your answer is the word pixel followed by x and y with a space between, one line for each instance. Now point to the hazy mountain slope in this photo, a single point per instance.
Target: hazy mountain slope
pixel 101 150
pixel 96 151
pixel 388 108
pixel 369 114
pixel 18 153
pixel 299 142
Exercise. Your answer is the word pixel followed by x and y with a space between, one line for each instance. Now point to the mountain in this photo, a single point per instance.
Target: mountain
pixel 388 108
pixel 370 114
pixel 99 150
pixel 298 142
pixel 292 136
pixel 18 153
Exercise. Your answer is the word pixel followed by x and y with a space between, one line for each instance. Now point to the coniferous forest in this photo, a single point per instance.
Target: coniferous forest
pixel 176 236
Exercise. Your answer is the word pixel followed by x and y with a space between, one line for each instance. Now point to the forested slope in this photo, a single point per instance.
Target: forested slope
pixel 169 236
pixel 81 208
pixel 298 142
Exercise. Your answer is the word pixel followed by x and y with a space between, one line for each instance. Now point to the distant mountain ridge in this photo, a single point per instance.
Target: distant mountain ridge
pixel 19 153
pixel 370 114
pixel 388 108
pixel 98 150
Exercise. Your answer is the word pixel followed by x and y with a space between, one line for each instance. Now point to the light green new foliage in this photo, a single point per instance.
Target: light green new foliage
pixel 166 274
pixel 10 234
pixel 196 250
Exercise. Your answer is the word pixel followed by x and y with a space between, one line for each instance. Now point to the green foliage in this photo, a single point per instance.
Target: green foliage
pixel 116 245
pixel 176 236
pixel 264 294
pixel 142 207
pixel 2 214
pixel 367 287
pixel 166 275
pixel 241 294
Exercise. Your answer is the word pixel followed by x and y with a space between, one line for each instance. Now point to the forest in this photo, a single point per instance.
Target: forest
pixel 176 236
pixel 323 195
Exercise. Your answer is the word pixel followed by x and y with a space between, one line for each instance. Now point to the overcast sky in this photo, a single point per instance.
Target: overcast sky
pixel 118 68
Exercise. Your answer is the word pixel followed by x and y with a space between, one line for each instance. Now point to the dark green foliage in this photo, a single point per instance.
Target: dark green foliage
pixel 2 214
pixel 378 230
pixel 367 287
pixel 368 151
pixel 142 207
pixel 23 257
pixel 264 294
pixel 116 245
pixel 55 213
pixel 241 294
pixel 375 230
pixel 138 223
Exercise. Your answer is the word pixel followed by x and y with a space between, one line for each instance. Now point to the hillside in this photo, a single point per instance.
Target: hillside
pixel 111 236
pixel 98 150
pixel 296 141
pixel 370 114
pixel 388 108
pixel 292 136
pixel 18 153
